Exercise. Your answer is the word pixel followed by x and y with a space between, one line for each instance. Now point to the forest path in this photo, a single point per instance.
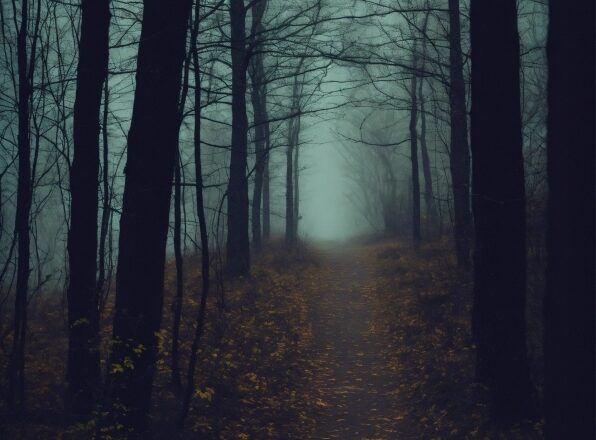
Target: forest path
pixel 356 388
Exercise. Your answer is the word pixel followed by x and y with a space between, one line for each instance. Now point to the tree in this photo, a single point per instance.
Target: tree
pixel 459 155
pixel 25 67
pixel 238 246
pixel 569 301
pixel 261 124
pixel 152 143
pixel 414 155
pixel 499 210
pixel 83 373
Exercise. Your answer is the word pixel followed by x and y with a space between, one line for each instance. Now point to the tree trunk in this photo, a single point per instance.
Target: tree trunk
pixel 152 143
pixel 177 305
pixel 297 181
pixel 569 302
pixel 414 158
pixel 83 371
pixel 107 201
pixel 259 104
pixel 266 193
pixel 499 210
pixel 205 279
pixel 290 238
pixel 429 199
pixel 16 363
pixel 238 246
pixel 459 157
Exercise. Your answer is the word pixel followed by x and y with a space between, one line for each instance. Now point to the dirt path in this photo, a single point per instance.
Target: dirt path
pixel 355 386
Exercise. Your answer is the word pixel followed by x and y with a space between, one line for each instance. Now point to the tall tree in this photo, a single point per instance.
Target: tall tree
pixel 569 303
pixel 259 104
pixel 83 371
pixel 499 209
pixel 152 143
pixel 459 155
pixel 25 68
pixel 238 246
pixel 414 154
pixel 205 257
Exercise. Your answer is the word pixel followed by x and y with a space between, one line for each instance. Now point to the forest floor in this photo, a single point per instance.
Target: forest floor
pixel 354 341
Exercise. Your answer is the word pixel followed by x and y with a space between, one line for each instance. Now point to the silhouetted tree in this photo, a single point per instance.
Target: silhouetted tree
pixel 238 246
pixel 569 302
pixel 152 143
pixel 459 155
pixel 25 68
pixel 414 155
pixel 499 209
pixel 261 125
pixel 83 373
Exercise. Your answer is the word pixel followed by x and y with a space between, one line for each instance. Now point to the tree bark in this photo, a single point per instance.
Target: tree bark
pixel 569 302
pixel 107 201
pixel 429 198
pixel 290 237
pixel 266 191
pixel 414 160
pixel 152 143
pixel 499 210
pixel 205 276
pixel 83 370
pixel 459 156
pixel 16 363
pixel 297 180
pixel 259 104
pixel 177 305
pixel 238 246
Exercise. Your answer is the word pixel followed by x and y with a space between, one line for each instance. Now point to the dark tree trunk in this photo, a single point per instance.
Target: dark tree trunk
pixel 16 363
pixel 569 303
pixel 499 209
pixel 152 143
pixel 459 157
pixel 296 211
pixel 83 371
pixel 414 159
pixel 238 246
pixel 177 305
pixel 190 385
pixel 266 196
pixel 290 238
pixel 107 201
pixel 429 199
pixel 259 104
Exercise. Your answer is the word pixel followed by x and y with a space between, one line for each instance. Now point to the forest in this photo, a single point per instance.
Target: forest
pixel 314 219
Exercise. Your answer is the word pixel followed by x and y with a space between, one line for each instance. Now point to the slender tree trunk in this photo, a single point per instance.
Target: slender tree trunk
pixel 238 246
pixel 297 181
pixel 414 158
pixel 177 305
pixel 266 193
pixel 290 238
pixel 259 104
pixel 429 199
pixel 16 365
pixel 83 372
pixel 152 144
pixel 569 302
pixel 107 200
pixel 190 385
pixel 499 210
pixel 459 156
